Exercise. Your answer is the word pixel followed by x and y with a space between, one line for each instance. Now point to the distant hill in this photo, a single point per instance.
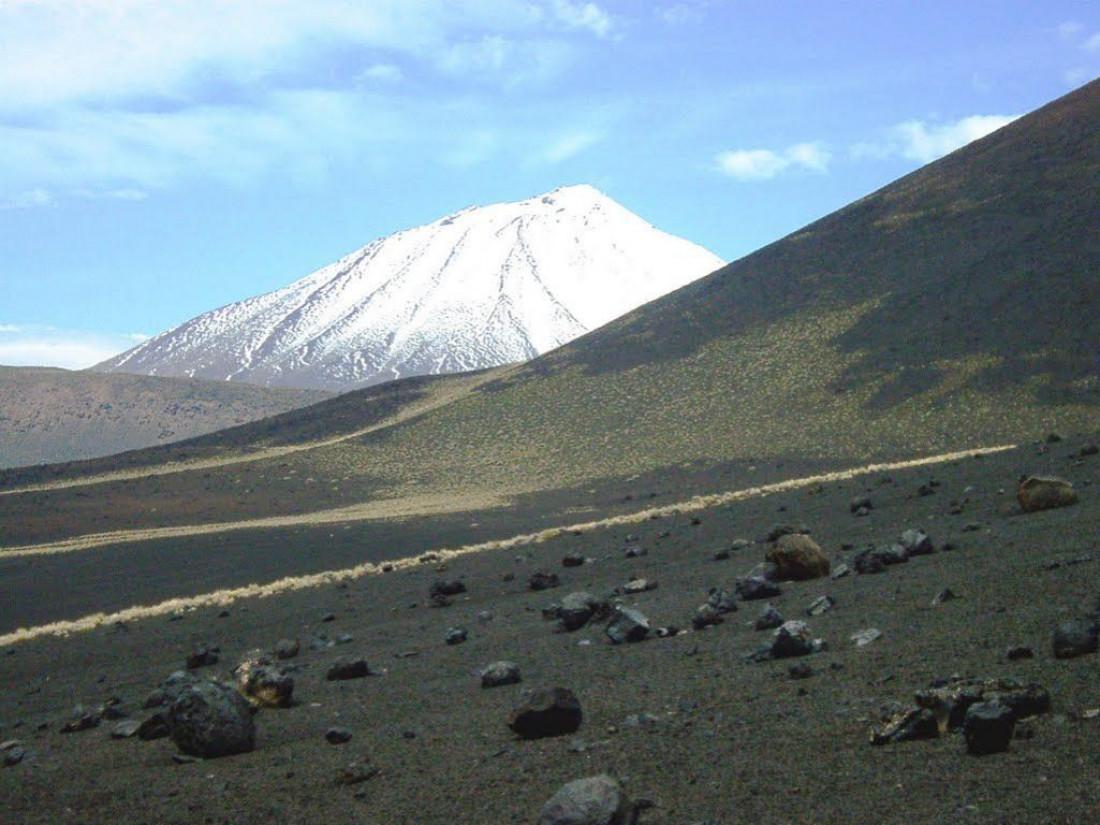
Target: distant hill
pixel 486 286
pixel 54 415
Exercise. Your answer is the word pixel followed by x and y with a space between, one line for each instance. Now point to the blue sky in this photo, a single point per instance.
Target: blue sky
pixel 160 159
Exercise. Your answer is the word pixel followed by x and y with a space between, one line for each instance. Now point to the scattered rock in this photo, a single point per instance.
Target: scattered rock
pixel 574 559
pixel 868 562
pixel 356 772
pixel 81 721
pixel 446 587
pixel 860 502
pixel 798 557
pixel 769 618
pixel 988 727
pixel 627 624
pixel 203 656
pixel 799 670
pixel 348 669
pixel 543 581
pixel 595 800
pixel 338 736
pixel 263 683
pixel 485 616
pixel 1089 449
pixel 126 729
pixel 287 648
pixel 821 605
pixel 944 595
pixel 905 726
pixel 1044 493
pixel 13 756
pixel 1017 652
pixel 635 586
pixel 721 600
pixel 209 719
pixel 706 616
pixel 499 674
pixel 1072 638
pixel 862 638
pixel 753 588
pixel 916 543
pixel 155 727
pixel 577 609
pixel 548 712
pixel 949 699
pixel 455 635
pixel 635 552
pixel 840 571
pixel 792 639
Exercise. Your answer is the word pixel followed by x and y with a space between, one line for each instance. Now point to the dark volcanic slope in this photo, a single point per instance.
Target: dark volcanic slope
pixel 991 253
pixel 53 415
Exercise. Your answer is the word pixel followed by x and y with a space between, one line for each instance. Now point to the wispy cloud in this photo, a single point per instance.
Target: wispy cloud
pixel 27 199
pixel 764 164
pixel 679 14
pixel 1093 43
pixel 925 142
pixel 41 346
pixel 126 98
pixel 568 146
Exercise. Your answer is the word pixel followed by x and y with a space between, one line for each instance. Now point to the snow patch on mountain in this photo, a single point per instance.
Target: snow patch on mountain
pixel 482 287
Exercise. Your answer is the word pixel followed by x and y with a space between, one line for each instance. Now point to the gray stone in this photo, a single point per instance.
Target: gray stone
pixel 455 635
pixel 446 587
pixel 721 600
pixel 543 581
pixel 988 727
pixel 577 609
pixel 126 729
pixel 263 683
pixel 595 800
pixel 338 736
pixel 916 543
pixel 754 588
pixel 864 637
pixel 769 618
pixel 287 648
pixel 209 720
pixel 348 669
pixel 1072 638
pixel 547 712
pixel 628 624
pixel 792 639
pixel 498 674
pixel 706 616
pixel 821 605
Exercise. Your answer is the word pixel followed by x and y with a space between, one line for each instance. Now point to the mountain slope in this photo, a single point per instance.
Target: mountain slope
pixel 54 415
pixel 479 288
pixel 952 309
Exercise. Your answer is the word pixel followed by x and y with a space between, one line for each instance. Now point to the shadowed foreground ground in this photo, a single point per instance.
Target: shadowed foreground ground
pixel 731 743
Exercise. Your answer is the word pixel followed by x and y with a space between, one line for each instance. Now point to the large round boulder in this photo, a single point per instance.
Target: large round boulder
pixel 798 557
pixel 209 719
pixel 547 712
pixel 594 800
pixel 1044 493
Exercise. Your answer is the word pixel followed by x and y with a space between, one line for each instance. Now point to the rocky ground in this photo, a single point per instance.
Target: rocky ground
pixel 688 721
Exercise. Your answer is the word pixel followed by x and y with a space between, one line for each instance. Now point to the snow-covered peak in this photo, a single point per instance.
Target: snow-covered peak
pixel 480 287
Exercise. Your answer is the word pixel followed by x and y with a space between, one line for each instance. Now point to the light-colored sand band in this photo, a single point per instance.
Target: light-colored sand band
pixel 221 598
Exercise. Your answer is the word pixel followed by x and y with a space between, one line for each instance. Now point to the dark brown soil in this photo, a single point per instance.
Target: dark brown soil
pixel 733 742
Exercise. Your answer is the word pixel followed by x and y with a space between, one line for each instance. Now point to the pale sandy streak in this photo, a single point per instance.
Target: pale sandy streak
pixel 286 585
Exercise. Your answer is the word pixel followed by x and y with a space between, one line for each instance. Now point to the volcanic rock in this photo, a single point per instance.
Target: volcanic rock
pixel 1044 493
pixel 498 674
pixel 949 699
pixel 907 725
pixel 706 616
pixel 455 635
pixel 721 600
pixel 263 683
pixel 287 648
pixel 543 581
pixel 348 669
pixel 769 618
pixel 798 558
pixel 916 543
pixel 203 656
pixel 627 624
pixel 338 736
pixel 595 800
pixel 546 712
pixel 574 559
pixel 577 609
pixel 988 727
pixel 209 719
pixel 446 587
pixel 754 588
pixel 1072 638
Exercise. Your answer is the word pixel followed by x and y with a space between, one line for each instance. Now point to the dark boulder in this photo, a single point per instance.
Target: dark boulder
pixel 1072 638
pixel 348 669
pixel 754 588
pixel 498 674
pixel 798 558
pixel 543 581
pixel 209 719
pixel 548 712
pixel 1037 493
pixel 988 727
pixel 627 624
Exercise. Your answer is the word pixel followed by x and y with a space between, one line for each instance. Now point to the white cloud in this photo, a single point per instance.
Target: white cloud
pixel 1093 43
pixel 1069 29
pixel 923 142
pixel 582 16
pixel 27 199
pixel 568 146
pixel 37 346
pixel 764 164
pixel 679 14
pixel 382 72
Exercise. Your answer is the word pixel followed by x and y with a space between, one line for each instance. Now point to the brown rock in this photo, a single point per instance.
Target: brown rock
pixel 798 557
pixel 1044 493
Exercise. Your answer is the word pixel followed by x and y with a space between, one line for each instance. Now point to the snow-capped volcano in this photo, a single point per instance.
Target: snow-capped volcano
pixel 484 286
